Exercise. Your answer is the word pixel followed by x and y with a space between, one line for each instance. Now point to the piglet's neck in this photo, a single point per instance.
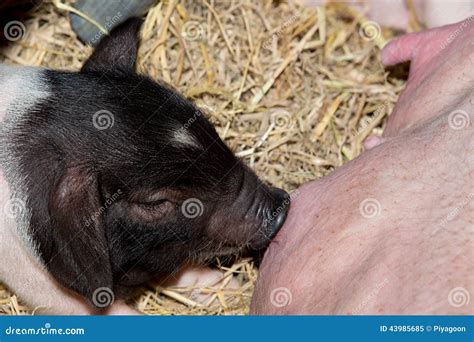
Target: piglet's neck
pixel 20 88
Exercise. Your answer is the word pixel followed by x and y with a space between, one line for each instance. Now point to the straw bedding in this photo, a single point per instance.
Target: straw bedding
pixel 294 91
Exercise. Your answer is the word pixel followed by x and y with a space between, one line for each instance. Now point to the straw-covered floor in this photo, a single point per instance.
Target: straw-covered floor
pixel 294 91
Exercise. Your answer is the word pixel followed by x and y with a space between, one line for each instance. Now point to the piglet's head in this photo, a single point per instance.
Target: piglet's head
pixel 127 180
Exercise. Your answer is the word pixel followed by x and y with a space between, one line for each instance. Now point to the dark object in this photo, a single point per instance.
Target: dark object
pixel 107 13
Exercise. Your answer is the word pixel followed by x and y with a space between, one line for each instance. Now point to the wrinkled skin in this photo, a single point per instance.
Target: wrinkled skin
pixel 413 253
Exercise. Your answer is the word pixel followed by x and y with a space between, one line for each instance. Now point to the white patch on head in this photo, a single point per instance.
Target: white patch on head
pixel 183 137
pixel 21 88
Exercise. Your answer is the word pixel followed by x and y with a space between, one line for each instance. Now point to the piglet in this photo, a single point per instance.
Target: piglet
pixel 109 179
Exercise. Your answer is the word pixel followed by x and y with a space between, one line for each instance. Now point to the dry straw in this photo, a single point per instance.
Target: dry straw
pixel 292 90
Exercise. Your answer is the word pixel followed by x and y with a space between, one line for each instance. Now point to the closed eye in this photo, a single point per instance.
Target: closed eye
pixel 150 204
pixel 152 211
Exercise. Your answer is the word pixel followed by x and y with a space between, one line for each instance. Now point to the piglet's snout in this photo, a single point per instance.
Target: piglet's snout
pixel 255 216
pixel 279 214
pixel 273 211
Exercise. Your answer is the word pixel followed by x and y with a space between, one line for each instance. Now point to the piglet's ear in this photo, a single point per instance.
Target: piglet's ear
pixel 79 256
pixel 118 51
